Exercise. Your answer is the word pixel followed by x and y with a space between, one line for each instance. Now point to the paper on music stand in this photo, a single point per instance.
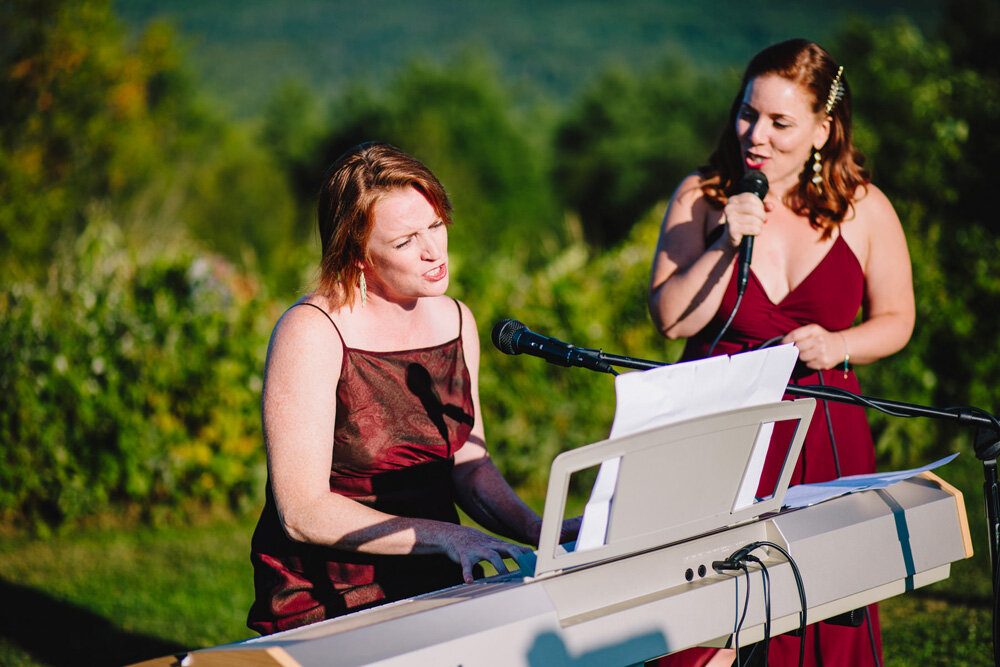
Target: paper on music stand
pixel 804 495
pixel 669 394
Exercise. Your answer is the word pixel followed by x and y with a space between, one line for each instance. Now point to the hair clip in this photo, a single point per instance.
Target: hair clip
pixel 836 92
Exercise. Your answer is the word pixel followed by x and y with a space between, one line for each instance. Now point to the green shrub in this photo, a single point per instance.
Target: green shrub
pixel 129 381
pixel 535 410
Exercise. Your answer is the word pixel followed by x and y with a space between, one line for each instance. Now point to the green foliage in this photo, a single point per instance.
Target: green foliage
pixel 490 155
pixel 89 116
pixel 129 380
pixel 246 49
pixel 535 410
pixel 629 137
pixel 929 126
pixel 83 116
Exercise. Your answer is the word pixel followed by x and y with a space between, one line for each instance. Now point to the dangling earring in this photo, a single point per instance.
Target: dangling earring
pixel 817 178
pixel 363 286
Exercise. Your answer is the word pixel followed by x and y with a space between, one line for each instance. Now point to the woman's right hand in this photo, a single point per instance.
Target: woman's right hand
pixel 468 546
pixel 744 215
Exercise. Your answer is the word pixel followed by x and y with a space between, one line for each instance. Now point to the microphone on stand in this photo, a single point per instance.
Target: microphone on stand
pixel 756 182
pixel 513 337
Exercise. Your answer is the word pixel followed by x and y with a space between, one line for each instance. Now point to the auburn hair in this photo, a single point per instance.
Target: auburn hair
pixel 814 70
pixel 351 188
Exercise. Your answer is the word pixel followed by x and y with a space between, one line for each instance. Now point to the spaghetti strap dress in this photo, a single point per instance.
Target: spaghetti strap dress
pixel 831 296
pixel 401 416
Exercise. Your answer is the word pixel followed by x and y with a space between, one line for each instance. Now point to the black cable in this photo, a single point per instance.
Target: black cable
pixel 746 606
pixel 871 637
pixel 829 427
pixel 802 596
pixel 996 614
pixel 734 562
pixel 865 402
pixel 766 583
pixel 769 342
pixel 737 621
pixel 749 662
pixel 725 327
pixel 976 411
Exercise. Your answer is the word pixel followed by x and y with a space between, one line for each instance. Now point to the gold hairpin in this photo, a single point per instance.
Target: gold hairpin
pixel 836 92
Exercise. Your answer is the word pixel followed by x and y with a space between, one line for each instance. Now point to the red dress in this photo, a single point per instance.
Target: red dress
pixel 401 416
pixel 830 296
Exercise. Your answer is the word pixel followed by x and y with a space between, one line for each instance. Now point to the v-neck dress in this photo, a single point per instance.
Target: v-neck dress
pixel 401 416
pixel 831 296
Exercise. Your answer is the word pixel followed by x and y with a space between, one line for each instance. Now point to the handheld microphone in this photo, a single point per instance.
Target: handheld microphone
pixel 756 182
pixel 513 337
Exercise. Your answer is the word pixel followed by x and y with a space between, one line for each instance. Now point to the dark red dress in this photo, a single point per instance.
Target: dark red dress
pixel 830 296
pixel 401 416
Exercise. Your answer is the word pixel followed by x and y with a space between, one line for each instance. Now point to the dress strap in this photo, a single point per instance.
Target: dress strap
pixel 459 306
pixel 306 303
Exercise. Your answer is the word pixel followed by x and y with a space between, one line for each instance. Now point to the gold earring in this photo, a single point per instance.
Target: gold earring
pixel 817 178
pixel 364 289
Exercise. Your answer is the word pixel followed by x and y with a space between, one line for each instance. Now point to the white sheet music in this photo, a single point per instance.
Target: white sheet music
pixel 804 495
pixel 669 394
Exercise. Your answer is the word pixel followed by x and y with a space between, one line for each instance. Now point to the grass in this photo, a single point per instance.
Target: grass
pixel 113 597
pixel 117 597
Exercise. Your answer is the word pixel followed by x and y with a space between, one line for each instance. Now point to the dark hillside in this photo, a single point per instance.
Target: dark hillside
pixel 244 49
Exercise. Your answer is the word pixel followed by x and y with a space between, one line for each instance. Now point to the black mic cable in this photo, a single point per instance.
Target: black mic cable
pixel 765 579
pixel 746 605
pixel 756 182
pixel 738 560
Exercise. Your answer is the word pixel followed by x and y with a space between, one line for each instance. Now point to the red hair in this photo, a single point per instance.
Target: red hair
pixel 352 186
pixel 814 70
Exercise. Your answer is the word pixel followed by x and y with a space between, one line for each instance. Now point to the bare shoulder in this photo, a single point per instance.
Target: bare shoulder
pixel 688 192
pixel 873 210
pixel 469 331
pixel 467 316
pixel 874 231
pixel 870 196
pixel 469 335
pixel 687 205
pixel 306 326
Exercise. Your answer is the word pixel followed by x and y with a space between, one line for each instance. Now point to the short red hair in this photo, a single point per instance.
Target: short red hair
pixel 352 186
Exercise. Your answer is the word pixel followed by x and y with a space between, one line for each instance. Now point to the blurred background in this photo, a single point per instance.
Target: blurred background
pixel 158 169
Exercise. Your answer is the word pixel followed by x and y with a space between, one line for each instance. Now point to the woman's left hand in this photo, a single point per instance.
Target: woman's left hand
pixel 819 349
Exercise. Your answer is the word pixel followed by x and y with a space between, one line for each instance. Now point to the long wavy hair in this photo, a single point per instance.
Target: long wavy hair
pixel 355 182
pixel 811 67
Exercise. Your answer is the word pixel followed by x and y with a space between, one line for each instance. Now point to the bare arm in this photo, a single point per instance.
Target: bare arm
pixel 889 309
pixel 688 278
pixel 299 408
pixel 482 491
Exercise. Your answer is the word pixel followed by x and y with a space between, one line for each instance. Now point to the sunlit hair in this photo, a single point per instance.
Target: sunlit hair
pixel 811 67
pixel 352 187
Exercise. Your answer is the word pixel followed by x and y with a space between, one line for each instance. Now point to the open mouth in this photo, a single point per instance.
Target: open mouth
pixel 754 161
pixel 437 273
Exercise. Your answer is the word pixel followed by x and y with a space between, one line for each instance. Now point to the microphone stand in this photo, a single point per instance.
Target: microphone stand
pixel 986 445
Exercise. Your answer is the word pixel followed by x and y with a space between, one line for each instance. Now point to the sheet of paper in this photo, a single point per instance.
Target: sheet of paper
pixel 805 495
pixel 669 394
